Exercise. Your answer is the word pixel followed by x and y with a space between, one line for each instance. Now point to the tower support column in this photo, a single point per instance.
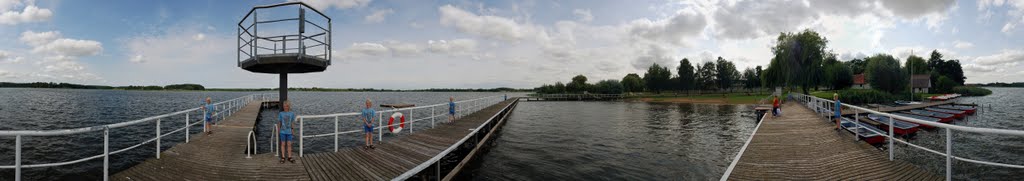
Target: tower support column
pixel 283 88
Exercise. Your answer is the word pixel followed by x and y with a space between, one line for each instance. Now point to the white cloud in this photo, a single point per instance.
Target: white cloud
pixel 917 8
pixel 362 50
pixel 583 15
pixel 486 26
pixel 752 19
pixel 975 68
pixel 378 15
pixel 1008 28
pixel 962 44
pixel 181 45
pixel 687 23
pixel 1004 57
pixel 199 37
pixel 399 49
pixel 36 39
pixel 31 13
pixel 452 47
pixel 52 43
pixel 137 59
pixel 70 47
pixel 323 5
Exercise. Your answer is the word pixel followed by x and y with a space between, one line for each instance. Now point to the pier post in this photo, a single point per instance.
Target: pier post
pixel 186 128
pixel 856 124
pixel 204 119
pixel 106 153
pixel 411 120
pixel 301 126
pixel 335 133
pixel 949 154
pixel 432 117
pixel 158 138
pixel 17 157
pixel 380 127
pixel 891 138
pixel 283 88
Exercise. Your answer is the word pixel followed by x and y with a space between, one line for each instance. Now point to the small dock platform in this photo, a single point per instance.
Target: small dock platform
pixel 802 146
pixel 847 112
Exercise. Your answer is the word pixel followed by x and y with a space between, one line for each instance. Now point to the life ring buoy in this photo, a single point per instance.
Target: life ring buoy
pixel 391 122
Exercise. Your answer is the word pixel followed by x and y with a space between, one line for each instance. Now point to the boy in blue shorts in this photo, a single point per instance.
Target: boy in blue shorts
pixel 208 111
pixel 367 114
pixel 451 109
pixel 286 126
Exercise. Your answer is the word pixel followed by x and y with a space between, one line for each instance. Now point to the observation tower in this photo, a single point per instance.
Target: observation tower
pixel 284 39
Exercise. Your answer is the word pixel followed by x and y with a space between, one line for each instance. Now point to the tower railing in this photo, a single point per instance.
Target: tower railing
pixel 249 36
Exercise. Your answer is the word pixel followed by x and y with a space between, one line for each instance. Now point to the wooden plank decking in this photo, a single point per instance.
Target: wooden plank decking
pixel 802 146
pixel 221 156
pixel 395 156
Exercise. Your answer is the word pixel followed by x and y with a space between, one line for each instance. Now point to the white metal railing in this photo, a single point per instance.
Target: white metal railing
pixel 226 109
pixel 828 106
pixel 462 108
pixel 437 158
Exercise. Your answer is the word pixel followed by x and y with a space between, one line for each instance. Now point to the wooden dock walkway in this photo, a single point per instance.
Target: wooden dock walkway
pixel 221 156
pixel 802 146
pixel 395 156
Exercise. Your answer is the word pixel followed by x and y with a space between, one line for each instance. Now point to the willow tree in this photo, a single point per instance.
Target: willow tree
pixel 801 53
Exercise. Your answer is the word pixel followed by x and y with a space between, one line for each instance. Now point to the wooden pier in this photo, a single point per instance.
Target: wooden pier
pixel 221 156
pixel 803 146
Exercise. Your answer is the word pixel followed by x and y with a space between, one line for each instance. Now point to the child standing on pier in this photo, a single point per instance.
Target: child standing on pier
pixel 286 126
pixel 451 109
pixel 368 113
pixel 838 109
pixel 775 106
pixel 208 111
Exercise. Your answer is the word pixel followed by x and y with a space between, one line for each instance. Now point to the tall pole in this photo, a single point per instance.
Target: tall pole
pixel 910 65
pixel 283 90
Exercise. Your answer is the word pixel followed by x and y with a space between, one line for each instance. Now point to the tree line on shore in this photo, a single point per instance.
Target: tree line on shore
pixel 801 61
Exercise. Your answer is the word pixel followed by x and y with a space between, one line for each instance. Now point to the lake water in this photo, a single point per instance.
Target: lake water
pixel 541 140
pixel 617 141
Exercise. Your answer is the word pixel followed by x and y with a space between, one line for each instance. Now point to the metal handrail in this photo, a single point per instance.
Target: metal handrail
pixel 227 108
pixel 462 108
pixel 248 36
pixel 816 103
pixel 409 173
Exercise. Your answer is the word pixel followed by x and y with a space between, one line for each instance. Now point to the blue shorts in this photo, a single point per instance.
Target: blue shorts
pixel 451 113
pixel 209 119
pixel 368 128
pixel 286 137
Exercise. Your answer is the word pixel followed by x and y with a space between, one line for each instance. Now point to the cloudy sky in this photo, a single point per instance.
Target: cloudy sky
pixel 472 44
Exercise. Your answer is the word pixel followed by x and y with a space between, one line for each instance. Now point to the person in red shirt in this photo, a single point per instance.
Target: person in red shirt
pixel 775 107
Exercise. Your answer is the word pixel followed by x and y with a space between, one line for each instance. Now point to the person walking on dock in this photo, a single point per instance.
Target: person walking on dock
pixel 368 113
pixel 775 106
pixel 286 126
pixel 838 109
pixel 451 109
pixel 208 111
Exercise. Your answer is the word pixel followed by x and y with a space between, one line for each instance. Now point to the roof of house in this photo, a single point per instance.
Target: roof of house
pixel 859 79
pixel 921 81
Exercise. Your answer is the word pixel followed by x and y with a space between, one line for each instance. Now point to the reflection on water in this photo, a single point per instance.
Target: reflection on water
pixel 617 141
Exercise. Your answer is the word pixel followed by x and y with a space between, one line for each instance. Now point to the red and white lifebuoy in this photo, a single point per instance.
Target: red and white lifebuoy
pixel 391 122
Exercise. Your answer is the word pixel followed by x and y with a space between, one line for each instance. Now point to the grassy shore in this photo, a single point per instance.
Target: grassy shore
pixel 729 98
